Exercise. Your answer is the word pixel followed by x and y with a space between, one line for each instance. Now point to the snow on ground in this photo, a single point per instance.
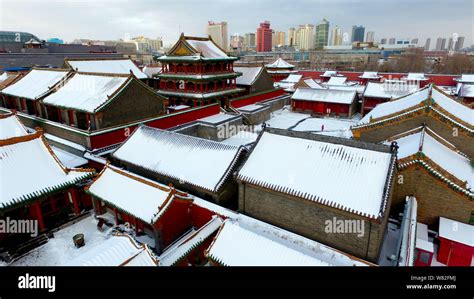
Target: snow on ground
pixel 286 119
pixel 327 126
pixel 61 249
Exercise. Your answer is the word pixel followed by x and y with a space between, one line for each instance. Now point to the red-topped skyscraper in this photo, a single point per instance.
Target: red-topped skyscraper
pixel 264 37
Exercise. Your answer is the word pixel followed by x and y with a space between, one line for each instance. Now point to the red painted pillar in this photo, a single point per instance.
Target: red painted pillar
pixel 53 204
pixel 75 200
pixel 116 216
pixel 39 215
pixel 23 104
pixel 60 116
pixel 136 224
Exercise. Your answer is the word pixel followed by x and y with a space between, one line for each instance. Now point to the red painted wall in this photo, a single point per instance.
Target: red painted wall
pixel 237 103
pixel 200 215
pixel 453 253
pixel 175 221
pixel 321 107
pixel 167 121
pixel 369 103
pixel 278 78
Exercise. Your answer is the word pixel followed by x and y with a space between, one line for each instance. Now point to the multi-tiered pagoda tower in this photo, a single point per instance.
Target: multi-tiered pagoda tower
pixel 197 72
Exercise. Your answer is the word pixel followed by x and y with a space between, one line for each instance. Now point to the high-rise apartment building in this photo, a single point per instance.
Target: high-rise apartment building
pixel 440 44
pixel 218 33
pixel 459 43
pixel 291 37
pixel 322 33
pixel 249 40
pixel 370 37
pixel 236 42
pixel 358 33
pixel 305 37
pixel 427 44
pixel 280 38
pixel 264 37
pixel 450 44
pixel 336 36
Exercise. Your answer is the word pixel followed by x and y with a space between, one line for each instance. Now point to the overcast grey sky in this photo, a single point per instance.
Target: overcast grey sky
pixel 114 19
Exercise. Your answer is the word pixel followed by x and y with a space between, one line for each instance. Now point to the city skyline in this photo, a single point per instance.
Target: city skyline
pixel 168 20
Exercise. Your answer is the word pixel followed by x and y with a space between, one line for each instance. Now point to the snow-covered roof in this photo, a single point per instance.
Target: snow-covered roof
pixel 370 75
pixel 280 64
pixel 315 170
pixel 415 77
pixel 88 93
pixel 396 105
pixel 337 80
pixel 324 95
pixel 465 78
pixel 450 108
pixel 252 108
pixel 107 66
pixel 422 241
pixel 180 157
pixel 312 84
pixel 151 70
pixel 207 48
pixel 118 250
pixel 293 78
pixel 188 242
pixel 10 126
pixel 3 77
pixel 460 111
pixel 249 75
pixel 118 187
pixel 67 159
pixel 35 83
pixel 31 170
pixel 456 231
pixel 389 89
pixel 438 150
pixel 7 79
pixel 249 242
pixel 218 118
pixel 329 74
pixel 466 91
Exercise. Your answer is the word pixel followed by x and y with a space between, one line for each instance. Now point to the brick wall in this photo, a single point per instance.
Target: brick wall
pixel 435 198
pixel 135 102
pixel 308 219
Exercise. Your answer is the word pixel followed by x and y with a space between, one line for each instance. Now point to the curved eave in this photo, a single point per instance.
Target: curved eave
pixel 438 175
pixel 199 77
pixel 32 196
pixel 313 197
pixel 195 58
